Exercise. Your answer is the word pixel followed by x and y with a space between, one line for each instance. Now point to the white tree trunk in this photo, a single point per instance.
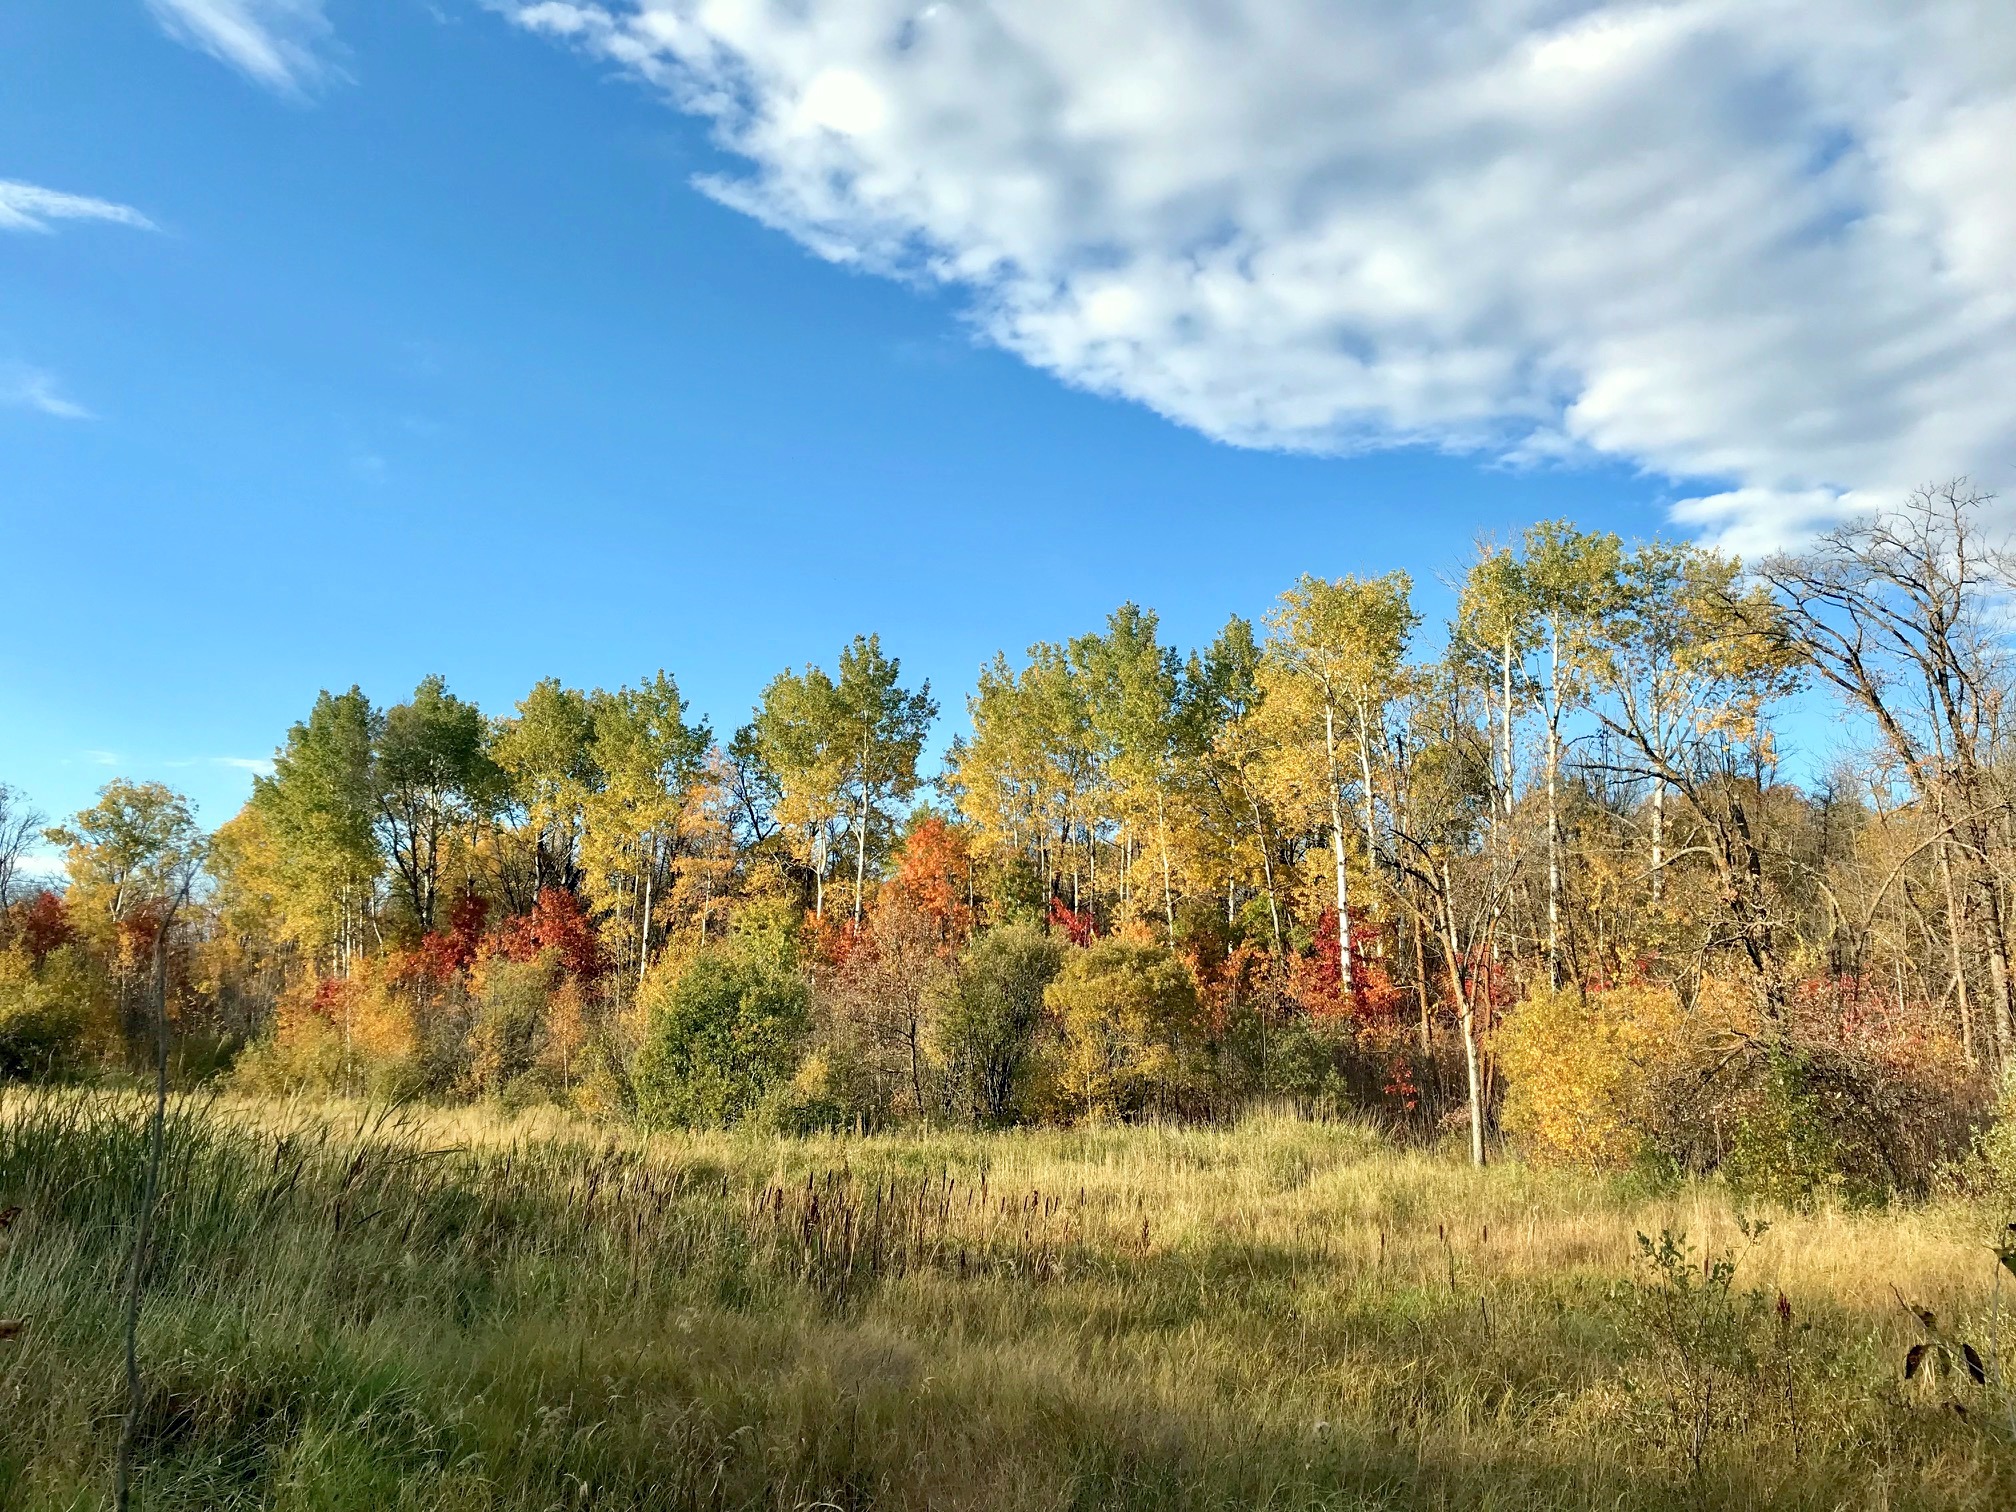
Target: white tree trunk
pixel 1466 1017
pixel 1168 889
pixel 1554 810
pixel 1371 821
pixel 861 838
pixel 1506 725
pixel 1337 850
pixel 644 932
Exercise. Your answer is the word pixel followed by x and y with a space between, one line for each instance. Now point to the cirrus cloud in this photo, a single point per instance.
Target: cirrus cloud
pixel 1765 246
pixel 24 387
pixel 282 44
pixel 30 207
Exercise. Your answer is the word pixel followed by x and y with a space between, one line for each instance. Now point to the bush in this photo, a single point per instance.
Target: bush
pixel 1131 1028
pixel 1832 1099
pixel 1853 1097
pixel 507 1026
pixel 1992 1170
pixel 878 988
pixel 359 1034
pixel 721 1035
pixel 1591 1079
pixel 1783 1146
pixel 991 1019
pixel 1859 1116
pixel 47 1012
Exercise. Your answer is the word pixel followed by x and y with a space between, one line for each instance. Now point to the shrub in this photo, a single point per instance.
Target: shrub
pixel 309 1058
pixel 877 991
pixel 356 1034
pixel 1831 1099
pixel 1854 1096
pixel 1859 1114
pixel 991 1018
pixel 1131 1028
pixel 1591 1078
pixel 507 1026
pixel 720 1035
pixel 815 1099
pixel 1993 1168
pixel 1783 1146
pixel 1706 1345
pixel 47 1012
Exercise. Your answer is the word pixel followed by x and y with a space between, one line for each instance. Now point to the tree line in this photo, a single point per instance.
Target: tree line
pixel 1550 877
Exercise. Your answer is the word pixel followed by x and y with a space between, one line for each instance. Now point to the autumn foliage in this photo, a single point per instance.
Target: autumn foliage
pixel 1535 880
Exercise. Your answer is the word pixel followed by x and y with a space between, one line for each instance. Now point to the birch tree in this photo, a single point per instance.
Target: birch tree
pixel 318 807
pixel 1135 697
pixel 1566 580
pixel 547 751
pixel 20 824
pixel 882 728
pixel 845 753
pixel 1343 645
pixel 1895 613
pixel 432 776
pixel 649 760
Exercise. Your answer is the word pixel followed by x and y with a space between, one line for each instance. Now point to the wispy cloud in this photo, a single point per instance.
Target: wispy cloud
pixel 1768 246
pixel 30 207
pixel 31 388
pixel 259 766
pixel 40 866
pixel 282 44
pixel 101 758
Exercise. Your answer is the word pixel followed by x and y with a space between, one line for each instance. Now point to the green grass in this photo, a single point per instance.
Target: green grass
pixel 349 1310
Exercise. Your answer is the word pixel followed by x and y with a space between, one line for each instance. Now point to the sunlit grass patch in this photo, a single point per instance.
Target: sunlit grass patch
pixel 361 1308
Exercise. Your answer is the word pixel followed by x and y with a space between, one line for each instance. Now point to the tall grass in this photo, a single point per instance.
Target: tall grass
pixel 358 1309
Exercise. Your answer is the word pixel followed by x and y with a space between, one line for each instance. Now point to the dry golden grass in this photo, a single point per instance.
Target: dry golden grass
pixel 456 1308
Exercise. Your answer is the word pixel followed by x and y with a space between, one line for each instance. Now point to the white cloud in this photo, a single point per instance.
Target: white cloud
pixel 1765 245
pixel 29 207
pixel 40 869
pixel 282 44
pixel 259 766
pixel 31 388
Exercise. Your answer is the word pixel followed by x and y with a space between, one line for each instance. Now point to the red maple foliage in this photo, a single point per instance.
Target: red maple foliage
pixel 442 953
pixel 1400 1084
pixel 558 923
pixel 332 998
pixel 833 940
pixel 137 931
pixel 43 923
pixel 1078 925
pixel 1241 977
pixel 934 874
pixel 1319 975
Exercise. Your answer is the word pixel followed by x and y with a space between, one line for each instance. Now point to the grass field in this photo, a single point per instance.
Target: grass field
pixel 401 1310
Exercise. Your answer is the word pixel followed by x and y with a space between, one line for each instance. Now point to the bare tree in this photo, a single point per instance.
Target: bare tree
pixel 1898 614
pixel 1450 878
pixel 19 826
pixel 1691 665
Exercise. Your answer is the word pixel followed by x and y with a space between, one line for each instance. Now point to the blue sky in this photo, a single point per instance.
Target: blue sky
pixel 430 340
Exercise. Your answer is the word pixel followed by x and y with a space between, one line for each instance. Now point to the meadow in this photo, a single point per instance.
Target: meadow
pixel 398 1308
